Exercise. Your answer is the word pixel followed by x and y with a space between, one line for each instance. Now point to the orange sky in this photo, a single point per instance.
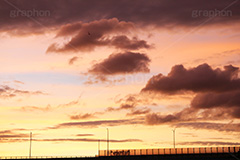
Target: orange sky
pixel 67 76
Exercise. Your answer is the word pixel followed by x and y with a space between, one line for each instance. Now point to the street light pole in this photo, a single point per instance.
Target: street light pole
pixel 99 147
pixel 107 142
pixel 174 138
pixel 30 150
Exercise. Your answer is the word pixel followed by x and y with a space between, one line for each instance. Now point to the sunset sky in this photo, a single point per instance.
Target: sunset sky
pixel 69 69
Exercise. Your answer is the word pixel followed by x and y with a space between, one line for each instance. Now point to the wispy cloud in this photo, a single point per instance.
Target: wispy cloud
pixel 49 107
pixel 9 92
pixel 6 140
pixel 90 124
pixel 210 143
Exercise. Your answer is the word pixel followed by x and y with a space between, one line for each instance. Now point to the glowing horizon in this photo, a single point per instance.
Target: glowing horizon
pixel 70 70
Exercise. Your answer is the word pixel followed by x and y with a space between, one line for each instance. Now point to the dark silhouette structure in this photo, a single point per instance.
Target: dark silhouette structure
pixel 209 153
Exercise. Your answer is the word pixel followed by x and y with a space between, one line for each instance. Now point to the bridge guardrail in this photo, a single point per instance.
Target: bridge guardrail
pixel 165 151
pixel 40 157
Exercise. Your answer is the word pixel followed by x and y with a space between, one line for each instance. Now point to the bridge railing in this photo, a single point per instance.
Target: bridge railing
pixel 40 157
pixel 166 151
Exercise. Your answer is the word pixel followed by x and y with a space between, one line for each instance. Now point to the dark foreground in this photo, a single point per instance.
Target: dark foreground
pixel 219 156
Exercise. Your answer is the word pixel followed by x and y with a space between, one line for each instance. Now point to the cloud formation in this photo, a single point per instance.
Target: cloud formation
pixel 9 92
pixel 216 91
pixel 212 100
pixel 80 135
pixel 164 13
pixel 82 116
pixel 198 79
pixel 49 107
pixel 72 60
pixel 227 127
pixel 105 32
pixel 6 134
pixel 209 143
pixel 6 140
pixel 187 114
pixel 90 124
pixel 122 63
pixel 135 112
pixel 226 101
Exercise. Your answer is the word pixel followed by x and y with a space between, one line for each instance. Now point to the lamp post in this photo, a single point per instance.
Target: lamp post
pixel 99 147
pixel 174 137
pixel 107 142
pixel 30 149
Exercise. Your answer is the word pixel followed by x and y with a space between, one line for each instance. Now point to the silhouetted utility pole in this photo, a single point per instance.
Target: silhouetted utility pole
pixel 30 150
pixel 174 138
pixel 99 147
pixel 107 142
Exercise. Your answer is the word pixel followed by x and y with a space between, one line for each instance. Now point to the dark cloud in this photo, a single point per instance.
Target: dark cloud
pixel 97 34
pixel 82 116
pixel 69 29
pixel 103 79
pixel 227 127
pixel 72 60
pixel 227 102
pixel 187 114
pixel 122 63
pixel 217 93
pixel 12 134
pixel 210 143
pixel 123 42
pixel 80 135
pixel 121 107
pixel 192 115
pixel 128 102
pixel 9 92
pixel 99 123
pixel 135 112
pixel 89 140
pixel 6 140
pixel 198 79
pixel 163 13
pixel 211 100
pixel 154 119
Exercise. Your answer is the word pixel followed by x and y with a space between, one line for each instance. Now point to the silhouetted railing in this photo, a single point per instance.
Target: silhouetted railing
pixel 166 151
pixel 42 157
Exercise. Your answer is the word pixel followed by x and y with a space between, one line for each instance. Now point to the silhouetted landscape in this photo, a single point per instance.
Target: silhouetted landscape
pixel 118 79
